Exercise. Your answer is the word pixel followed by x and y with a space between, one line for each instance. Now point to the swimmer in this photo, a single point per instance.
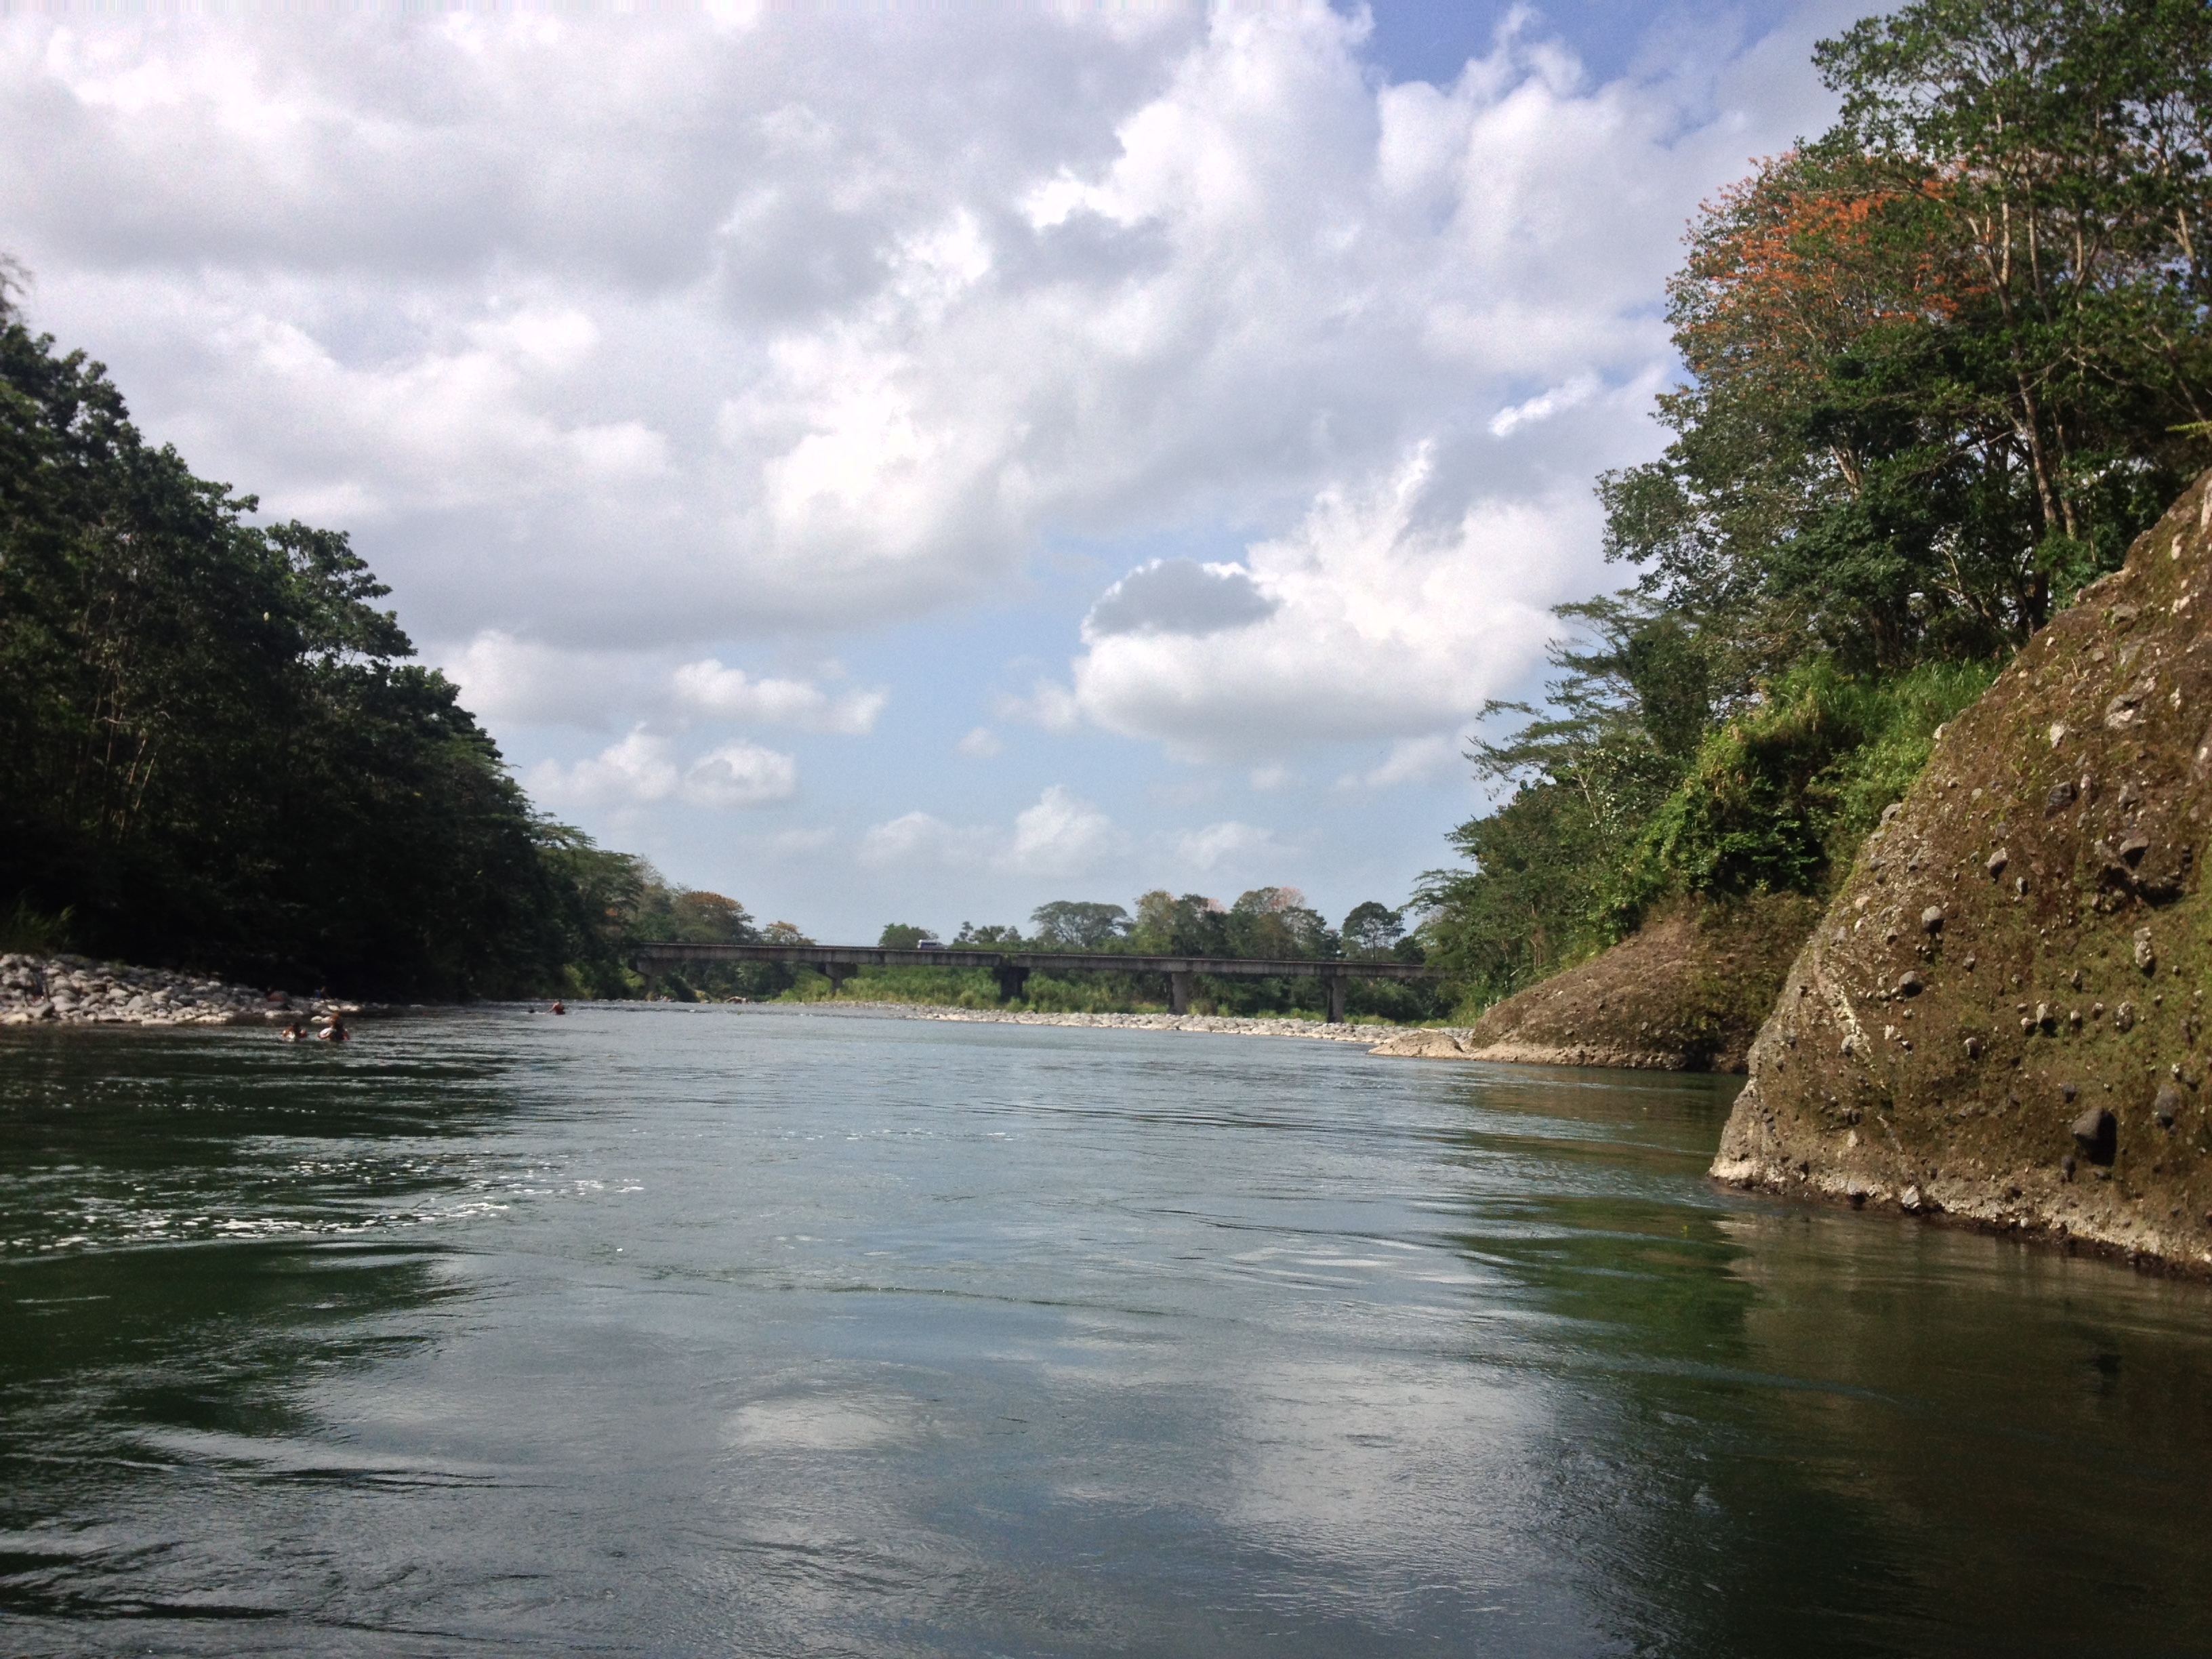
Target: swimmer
pixel 560 1007
pixel 292 1033
pixel 334 1032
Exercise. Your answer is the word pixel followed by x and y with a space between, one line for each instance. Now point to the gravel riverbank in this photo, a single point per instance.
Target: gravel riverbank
pixel 77 991
pixel 1213 1024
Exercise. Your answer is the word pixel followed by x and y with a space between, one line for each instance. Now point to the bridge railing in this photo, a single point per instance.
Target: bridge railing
pixel 1013 967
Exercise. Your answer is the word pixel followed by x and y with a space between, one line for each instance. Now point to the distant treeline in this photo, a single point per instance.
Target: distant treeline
pixel 1945 364
pixel 213 750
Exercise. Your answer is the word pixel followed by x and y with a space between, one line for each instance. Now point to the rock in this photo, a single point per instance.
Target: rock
pixel 2096 1132
pixel 2168 1106
pixel 1931 919
pixel 1910 985
pixel 2080 842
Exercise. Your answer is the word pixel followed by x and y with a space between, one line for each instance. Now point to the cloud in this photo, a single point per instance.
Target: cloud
pixel 1560 398
pixel 1179 596
pixel 708 689
pixel 1411 760
pixel 644 770
pixel 810 353
pixel 1062 836
pixel 982 743
pixel 922 841
pixel 1226 846
pixel 1392 620
pixel 1051 705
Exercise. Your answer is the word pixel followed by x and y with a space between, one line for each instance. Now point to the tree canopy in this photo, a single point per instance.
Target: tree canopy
pixel 1944 363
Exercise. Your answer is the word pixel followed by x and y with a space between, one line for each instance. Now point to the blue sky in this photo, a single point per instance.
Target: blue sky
pixel 914 466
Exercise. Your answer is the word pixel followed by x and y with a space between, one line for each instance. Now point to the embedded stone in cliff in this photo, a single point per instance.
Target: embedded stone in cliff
pixel 2168 1106
pixel 1998 859
pixel 2097 1132
pixel 2060 798
pixel 1910 985
pixel 2145 954
pixel 2133 849
pixel 1931 919
pixel 2123 1017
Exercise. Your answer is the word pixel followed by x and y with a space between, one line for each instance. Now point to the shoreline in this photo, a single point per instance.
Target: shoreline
pixel 1202 1024
pixel 73 990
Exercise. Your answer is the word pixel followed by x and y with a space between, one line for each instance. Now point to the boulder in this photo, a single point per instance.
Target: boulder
pixel 2059 831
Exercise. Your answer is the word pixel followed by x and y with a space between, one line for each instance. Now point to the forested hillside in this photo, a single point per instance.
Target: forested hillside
pixel 217 753
pixel 1945 362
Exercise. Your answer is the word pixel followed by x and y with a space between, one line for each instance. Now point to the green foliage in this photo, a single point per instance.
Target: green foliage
pixel 1780 795
pixel 900 936
pixel 215 748
pixel 1946 362
pixel 1072 925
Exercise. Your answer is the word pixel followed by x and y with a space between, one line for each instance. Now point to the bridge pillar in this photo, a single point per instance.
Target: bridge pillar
pixel 1010 981
pixel 1338 985
pixel 1179 993
pixel 838 973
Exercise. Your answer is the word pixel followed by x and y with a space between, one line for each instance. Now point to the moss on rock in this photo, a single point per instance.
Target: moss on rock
pixel 2000 1017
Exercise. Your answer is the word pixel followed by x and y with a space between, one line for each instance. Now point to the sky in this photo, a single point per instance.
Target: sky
pixel 912 462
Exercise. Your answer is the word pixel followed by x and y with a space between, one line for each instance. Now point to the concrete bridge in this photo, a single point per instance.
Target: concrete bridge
pixel 1011 969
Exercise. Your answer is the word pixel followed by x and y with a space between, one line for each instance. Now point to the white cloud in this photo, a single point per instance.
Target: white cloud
pixel 982 743
pixel 644 770
pixel 922 841
pixel 1411 760
pixel 814 352
pixel 708 689
pixel 1051 705
pixel 740 775
pixel 1392 620
pixel 1062 836
pixel 1560 398
pixel 1227 846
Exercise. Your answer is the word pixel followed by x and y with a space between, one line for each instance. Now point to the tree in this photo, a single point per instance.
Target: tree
pixel 899 936
pixel 1371 931
pixel 1000 934
pixel 1943 359
pixel 1072 925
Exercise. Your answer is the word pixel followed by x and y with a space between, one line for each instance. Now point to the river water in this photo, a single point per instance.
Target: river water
pixel 695 1330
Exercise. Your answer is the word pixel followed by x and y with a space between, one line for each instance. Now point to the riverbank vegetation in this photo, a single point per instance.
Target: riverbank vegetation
pixel 1945 364
pixel 1265 923
pixel 217 752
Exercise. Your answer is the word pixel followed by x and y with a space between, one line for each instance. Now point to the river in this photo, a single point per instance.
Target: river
pixel 680 1330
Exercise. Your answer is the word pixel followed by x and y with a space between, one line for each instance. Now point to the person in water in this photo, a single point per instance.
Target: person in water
pixel 292 1033
pixel 560 1007
pixel 334 1032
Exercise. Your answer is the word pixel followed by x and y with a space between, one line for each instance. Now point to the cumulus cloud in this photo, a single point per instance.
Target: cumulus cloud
pixel 1179 596
pixel 1059 834
pixel 1063 835
pixel 811 351
pixel 728 694
pixel 1411 760
pixel 1390 620
pixel 1228 846
pixel 982 743
pixel 645 769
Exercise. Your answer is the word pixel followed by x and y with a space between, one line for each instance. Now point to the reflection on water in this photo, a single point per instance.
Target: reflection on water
pixel 705 1330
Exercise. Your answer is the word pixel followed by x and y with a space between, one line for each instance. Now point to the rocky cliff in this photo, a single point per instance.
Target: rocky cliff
pixel 1999 1018
pixel 1685 993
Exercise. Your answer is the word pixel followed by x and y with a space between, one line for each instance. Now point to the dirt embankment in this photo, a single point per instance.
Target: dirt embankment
pixel 2000 1016
pixel 1684 993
